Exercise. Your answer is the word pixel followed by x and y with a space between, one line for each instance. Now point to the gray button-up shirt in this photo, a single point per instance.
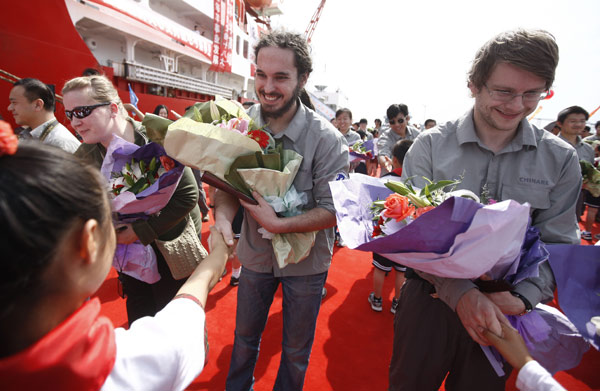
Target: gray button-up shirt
pixel 536 167
pixel 389 138
pixel 325 155
pixel 584 150
pixel 351 136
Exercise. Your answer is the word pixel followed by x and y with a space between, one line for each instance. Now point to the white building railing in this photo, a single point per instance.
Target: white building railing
pixel 146 74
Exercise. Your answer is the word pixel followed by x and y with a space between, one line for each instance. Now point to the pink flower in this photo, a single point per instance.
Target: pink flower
pixel 238 124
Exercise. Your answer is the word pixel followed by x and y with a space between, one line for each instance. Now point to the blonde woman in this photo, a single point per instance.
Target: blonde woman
pixel 96 112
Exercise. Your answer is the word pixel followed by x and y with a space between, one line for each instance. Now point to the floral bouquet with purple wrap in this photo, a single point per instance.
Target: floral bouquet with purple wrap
pixel 452 238
pixel 362 150
pixel 141 181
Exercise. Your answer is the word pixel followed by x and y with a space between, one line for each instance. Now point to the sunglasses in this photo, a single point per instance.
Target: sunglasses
pixel 83 111
pixel 400 121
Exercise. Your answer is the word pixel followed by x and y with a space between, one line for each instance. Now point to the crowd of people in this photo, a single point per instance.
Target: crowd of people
pixel 58 237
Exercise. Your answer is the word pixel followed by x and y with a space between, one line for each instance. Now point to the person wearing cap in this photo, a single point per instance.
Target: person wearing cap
pixel 32 104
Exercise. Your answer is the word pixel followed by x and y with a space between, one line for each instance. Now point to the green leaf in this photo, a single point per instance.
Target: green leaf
pixel 197 114
pixel 215 114
pixel 153 164
pixel 427 190
pixel 129 180
pixel 398 187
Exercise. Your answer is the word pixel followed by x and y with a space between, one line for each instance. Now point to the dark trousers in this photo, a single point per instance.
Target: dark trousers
pixel 145 299
pixel 430 342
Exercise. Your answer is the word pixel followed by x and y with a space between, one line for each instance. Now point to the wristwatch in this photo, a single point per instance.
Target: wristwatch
pixel 528 306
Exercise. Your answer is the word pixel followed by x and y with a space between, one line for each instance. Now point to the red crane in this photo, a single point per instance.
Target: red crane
pixel 313 22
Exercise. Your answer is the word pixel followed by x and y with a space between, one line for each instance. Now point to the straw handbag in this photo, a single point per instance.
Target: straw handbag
pixel 183 253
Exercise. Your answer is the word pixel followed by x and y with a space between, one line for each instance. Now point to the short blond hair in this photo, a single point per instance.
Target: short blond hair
pixel 534 51
pixel 100 89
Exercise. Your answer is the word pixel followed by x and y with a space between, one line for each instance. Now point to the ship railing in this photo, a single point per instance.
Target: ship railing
pixel 146 74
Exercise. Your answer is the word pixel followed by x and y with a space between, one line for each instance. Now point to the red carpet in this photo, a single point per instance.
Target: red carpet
pixel 352 345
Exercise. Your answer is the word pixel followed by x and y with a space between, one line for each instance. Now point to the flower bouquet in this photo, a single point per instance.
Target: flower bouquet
pixel 591 177
pixel 141 181
pixel 219 138
pixel 362 150
pixel 447 234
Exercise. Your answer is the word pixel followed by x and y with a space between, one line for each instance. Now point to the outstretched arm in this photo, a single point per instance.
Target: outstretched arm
pixel 208 272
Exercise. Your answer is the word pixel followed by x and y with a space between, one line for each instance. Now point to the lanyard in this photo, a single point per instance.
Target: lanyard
pixel 48 129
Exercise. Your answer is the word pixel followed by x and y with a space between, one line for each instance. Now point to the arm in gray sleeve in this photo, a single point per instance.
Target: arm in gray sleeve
pixel 558 223
pixel 538 289
pixel 418 161
pixel 331 158
pixel 449 290
pixel 383 149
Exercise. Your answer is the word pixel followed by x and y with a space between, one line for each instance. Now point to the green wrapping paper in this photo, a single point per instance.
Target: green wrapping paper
pixel 274 185
pixel 239 161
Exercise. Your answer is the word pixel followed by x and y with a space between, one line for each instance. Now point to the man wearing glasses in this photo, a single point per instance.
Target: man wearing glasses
pixel 493 148
pixel 399 130
pixel 32 104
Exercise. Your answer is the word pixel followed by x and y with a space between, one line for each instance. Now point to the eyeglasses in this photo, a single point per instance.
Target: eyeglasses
pixel 507 96
pixel 83 111
pixel 400 121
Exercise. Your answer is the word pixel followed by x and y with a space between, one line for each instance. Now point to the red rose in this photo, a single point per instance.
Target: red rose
pixel 8 140
pixel 397 207
pixel 260 137
pixel 167 162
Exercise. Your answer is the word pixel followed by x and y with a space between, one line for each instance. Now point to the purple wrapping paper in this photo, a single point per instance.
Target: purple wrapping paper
pixel 577 272
pixel 138 261
pixel 426 234
pixel 551 338
pixel 155 197
pixel 369 146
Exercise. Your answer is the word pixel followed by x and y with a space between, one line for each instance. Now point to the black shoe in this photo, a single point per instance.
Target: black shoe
pixel 235 281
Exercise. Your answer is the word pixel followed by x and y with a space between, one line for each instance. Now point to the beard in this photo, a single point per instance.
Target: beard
pixel 274 114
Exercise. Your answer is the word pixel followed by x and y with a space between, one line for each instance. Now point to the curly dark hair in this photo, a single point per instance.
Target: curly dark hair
pixel 288 40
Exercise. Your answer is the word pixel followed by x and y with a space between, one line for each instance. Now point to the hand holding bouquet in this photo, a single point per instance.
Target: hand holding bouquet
pixel 362 150
pixel 448 235
pixel 219 138
pixel 141 181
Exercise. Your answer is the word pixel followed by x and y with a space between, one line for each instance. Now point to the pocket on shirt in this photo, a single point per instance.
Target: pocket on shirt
pixel 537 198
pixel 304 184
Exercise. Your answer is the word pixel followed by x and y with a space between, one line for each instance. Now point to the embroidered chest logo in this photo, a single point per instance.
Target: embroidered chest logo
pixel 533 181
